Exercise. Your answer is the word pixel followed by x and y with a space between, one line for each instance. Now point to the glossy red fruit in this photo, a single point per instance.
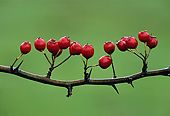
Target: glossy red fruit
pixel 75 48
pixel 131 42
pixel 52 46
pixel 152 43
pixel 109 47
pixel 64 42
pixel 105 62
pixel 125 38
pixel 143 36
pixel 25 47
pixel 40 44
pixel 121 45
pixel 87 51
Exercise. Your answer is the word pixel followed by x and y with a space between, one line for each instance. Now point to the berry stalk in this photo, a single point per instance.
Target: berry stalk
pixel 63 61
pixel 113 68
pixel 16 60
pixel 47 57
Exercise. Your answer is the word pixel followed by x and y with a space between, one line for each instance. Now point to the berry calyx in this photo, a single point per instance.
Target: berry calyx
pixel 121 45
pixel 131 42
pixel 109 47
pixel 52 46
pixel 25 47
pixel 40 44
pixel 75 48
pixel 105 62
pixel 64 42
pixel 87 51
pixel 152 43
pixel 143 36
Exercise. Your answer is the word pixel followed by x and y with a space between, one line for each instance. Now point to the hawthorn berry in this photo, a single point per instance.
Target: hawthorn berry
pixel 87 51
pixel 143 36
pixel 124 38
pixel 109 47
pixel 105 62
pixel 131 42
pixel 25 47
pixel 52 46
pixel 75 48
pixel 121 44
pixel 152 43
pixel 64 42
pixel 40 44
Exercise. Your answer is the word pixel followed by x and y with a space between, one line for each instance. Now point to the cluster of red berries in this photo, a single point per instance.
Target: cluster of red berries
pixel 130 42
pixel 56 47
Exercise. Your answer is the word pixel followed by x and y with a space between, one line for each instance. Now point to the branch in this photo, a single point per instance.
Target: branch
pixel 70 84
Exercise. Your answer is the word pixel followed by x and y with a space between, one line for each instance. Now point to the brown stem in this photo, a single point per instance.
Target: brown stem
pixel 73 83
pixel 136 54
pixel 92 66
pixel 47 57
pixel 62 61
pixel 16 60
pixel 113 69
pixel 51 67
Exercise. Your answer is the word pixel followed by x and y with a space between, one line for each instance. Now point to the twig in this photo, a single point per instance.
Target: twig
pixel 73 83
pixel 113 69
pixel 136 54
pixel 62 61
pixel 47 57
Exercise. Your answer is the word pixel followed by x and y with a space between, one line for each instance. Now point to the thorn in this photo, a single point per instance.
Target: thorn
pixel 131 84
pixel 69 88
pixel 115 89
pixel 16 69
pixel 11 68
pixel 129 81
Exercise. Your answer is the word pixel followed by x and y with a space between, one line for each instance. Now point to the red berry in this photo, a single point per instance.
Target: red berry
pixel 25 47
pixel 121 45
pixel 143 36
pixel 52 46
pixel 64 42
pixel 87 51
pixel 109 47
pixel 105 62
pixel 152 43
pixel 40 44
pixel 125 38
pixel 131 42
pixel 75 48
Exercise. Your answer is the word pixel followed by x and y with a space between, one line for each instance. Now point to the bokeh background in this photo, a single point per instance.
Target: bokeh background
pixel 85 21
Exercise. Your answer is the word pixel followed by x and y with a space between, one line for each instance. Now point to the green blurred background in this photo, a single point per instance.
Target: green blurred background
pixel 86 21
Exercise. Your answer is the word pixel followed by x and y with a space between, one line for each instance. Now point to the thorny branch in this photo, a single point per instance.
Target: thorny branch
pixel 72 83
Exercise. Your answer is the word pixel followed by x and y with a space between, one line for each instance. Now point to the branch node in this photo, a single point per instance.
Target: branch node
pixel 87 76
pixel 130 81
pixel 11 68
pixel 49 72
pixel 69 92
pixel 144 68
pixel 16 69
